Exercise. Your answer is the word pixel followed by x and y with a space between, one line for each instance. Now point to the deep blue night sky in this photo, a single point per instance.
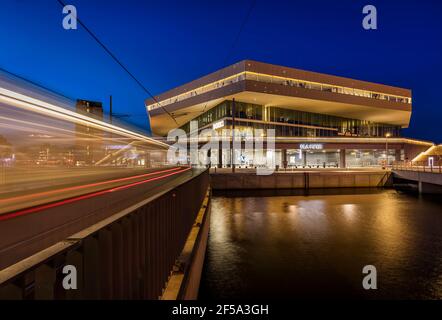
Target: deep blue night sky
pixel 167 43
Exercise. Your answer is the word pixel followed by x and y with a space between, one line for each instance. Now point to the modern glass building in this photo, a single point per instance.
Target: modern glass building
pixel 319 120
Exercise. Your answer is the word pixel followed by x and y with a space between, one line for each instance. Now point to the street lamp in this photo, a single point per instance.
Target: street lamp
pixel 387 135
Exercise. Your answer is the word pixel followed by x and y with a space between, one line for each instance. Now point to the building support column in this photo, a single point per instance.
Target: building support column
pixel 342 163
pixel 220 155
pixel 397 155
pixel 232 151
pixel 284 158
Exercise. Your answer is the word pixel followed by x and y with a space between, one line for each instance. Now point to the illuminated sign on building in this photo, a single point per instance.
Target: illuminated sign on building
pixel 217 125
pixel 311 146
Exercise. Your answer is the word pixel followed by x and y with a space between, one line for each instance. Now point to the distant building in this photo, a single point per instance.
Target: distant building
pixel 89 140
pixel 92 109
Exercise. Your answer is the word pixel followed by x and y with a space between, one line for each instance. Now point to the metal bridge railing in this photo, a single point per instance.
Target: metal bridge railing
pixel 129 255
pixel 418 166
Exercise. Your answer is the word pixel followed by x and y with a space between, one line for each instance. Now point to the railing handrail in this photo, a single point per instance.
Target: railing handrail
pixel 418 166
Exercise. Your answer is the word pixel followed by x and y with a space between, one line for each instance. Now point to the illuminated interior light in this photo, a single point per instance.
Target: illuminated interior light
pixel 260 78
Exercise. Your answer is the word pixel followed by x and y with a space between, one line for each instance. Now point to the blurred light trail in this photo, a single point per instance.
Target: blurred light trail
pixel 46 193
pixel 30 124
pixel 39 106
pixel 53 148
pixel 86 196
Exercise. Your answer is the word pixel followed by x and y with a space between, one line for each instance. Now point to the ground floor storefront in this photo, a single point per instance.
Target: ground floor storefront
pixel 323 154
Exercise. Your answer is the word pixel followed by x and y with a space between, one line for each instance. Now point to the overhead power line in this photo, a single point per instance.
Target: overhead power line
pixel 119 63
pixel 241 28
pixel 236 39
pixel 36 84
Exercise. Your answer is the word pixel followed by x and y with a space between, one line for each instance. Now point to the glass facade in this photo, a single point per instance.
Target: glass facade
pixel 224 109
pixel 369 158
pixel 297 158
pixel 324 87
pixel 244 158
pixel 290 123
pixel 294 123
pixel 343 126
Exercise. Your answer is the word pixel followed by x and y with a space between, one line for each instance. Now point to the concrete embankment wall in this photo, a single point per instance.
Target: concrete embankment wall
pixel 300 180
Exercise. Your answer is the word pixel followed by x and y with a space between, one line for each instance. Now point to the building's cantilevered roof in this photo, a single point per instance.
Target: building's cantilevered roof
pixel 278 86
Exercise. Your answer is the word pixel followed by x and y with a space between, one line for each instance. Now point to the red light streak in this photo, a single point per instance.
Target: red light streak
pixel 46 193
pixel 83 197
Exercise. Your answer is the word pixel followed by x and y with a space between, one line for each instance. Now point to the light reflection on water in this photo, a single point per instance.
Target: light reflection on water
pixel 316 246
